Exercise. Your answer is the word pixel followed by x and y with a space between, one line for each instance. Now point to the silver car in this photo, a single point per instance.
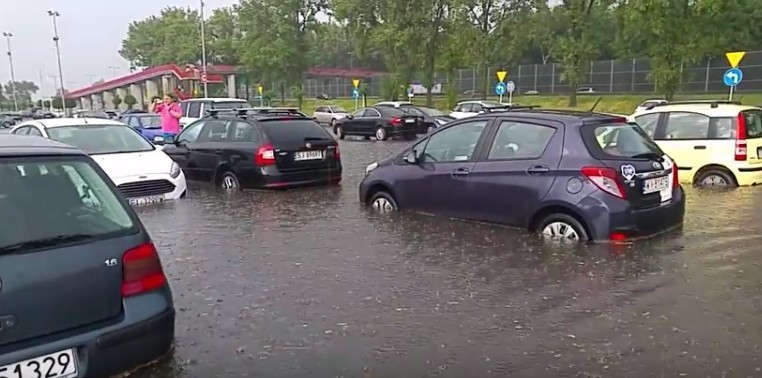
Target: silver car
pixel 329 114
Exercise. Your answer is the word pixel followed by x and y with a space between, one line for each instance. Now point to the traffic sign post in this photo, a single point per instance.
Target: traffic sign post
pixel 501 75
pixel 355 93
pixel 204 78
pixel 734 75
pixel 510 87
pixel 356 84
pixel 410 92
pixel 261 91
pixel 500 91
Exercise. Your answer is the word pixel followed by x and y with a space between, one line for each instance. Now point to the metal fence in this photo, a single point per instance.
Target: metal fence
pixel 608 76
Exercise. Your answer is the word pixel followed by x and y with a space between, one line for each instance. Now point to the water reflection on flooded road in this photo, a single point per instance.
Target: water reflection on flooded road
pixel 307 283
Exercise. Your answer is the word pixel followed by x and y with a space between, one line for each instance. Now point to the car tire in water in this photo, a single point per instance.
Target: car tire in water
pixel 339 131
pixel 561 226
pixel 381 133
pixel 229 181
pixel 383 202
pixel 715 178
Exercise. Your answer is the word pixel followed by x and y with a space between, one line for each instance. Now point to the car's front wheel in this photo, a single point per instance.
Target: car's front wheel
pixel 715 178
pixel 562 227
pixel 339 131
pixel 383 202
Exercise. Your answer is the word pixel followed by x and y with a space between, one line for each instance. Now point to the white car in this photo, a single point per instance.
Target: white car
pixel 471 108
pixel 195 108
pixel 143 173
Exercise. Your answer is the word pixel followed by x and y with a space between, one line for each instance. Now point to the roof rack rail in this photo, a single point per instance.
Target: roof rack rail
pixel 711 103
pixel 244 112
pixel 509 107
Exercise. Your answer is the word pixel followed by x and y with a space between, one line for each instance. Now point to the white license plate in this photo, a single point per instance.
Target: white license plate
pixel 308 155
pixel 143 201
pixel 61 364
pixel 410 120
pixel 655 184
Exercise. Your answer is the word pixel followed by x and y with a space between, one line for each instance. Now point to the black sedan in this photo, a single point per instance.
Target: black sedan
pixel 432 118
pixel 381 122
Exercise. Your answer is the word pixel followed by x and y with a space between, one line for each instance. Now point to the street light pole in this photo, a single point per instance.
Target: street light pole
pixel 54 15
pixel 8 36
pixel 113 70
pixel 203 53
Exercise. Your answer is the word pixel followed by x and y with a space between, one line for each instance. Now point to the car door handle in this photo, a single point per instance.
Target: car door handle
pixel 461 172
pixel 538 169
pixel 217 151
pixel 699 147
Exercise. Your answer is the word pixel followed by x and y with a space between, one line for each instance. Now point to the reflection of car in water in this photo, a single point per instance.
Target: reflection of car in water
pixel 579 176
pixel 716 143
pixel 83 288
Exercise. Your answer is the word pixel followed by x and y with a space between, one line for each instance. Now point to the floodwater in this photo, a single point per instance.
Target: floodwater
pixel 306 283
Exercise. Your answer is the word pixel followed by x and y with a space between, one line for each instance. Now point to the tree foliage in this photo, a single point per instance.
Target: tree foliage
pixel 130 101
pixel 70 103
pixel 24 91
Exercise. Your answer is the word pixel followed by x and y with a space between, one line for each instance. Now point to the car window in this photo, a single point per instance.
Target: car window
pixel 320 109
pixel 681 125
pixel 242 132
pixel 371 113
pixel 464 108
pixel 22 131
pixel 418 149
pixel 358 113
pixel 618 140
pixel 214 131
pixel 722 128
pixel 299 131
pixel 184 108
pixel 132 121
pixel 338 109
pixel 516 140
pixel 456 143
pixel 753 123
pixel 194 109
pixel 101 139
pixel 476 108
pixel 228 105
pixel 34 131
pixel 150 121
pixel 190 134
pixel 413 111
pixel 76 198
pixel 648 123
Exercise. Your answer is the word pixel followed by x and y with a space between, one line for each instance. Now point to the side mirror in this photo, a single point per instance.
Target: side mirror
pixel 349 116
pixel 411 157
pixel 160 141
pixel 481 112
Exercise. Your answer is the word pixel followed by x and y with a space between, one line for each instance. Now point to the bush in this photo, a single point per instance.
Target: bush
pixel 70 103
pixel 130 101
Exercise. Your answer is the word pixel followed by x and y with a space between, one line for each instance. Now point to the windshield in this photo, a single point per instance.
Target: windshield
pixel 230 105
pixel 101 139
pixel 296 131
pixel 339 109
pixel 78 203
pixel 150 122
pixel 619 140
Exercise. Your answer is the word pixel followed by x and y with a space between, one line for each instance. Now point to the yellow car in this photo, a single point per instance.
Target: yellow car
pixel 714 143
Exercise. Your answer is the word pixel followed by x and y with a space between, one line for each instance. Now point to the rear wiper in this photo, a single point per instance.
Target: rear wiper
pixel 646 155
pixel 42 243
pixel 315 138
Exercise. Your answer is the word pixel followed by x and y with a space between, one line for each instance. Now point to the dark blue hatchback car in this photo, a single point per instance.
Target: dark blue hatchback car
pixel 579 176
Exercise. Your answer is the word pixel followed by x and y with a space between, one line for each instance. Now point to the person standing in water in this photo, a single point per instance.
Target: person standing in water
pixel 170 112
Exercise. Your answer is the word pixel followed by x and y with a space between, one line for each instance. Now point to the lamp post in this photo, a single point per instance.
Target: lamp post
pixel 203 53
pixel 8 37
pixel 114 69
pixel 54 15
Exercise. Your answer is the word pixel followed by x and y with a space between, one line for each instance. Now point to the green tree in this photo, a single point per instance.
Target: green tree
pixel 298 93
pixel 172 37
pixel 130 101
pixel 69 102
pixel 24 91
pixel 223 36
pixel 116 101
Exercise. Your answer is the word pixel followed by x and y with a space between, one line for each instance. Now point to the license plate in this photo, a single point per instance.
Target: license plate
pixel 143 201
pixel 308 155
pixel 655 184
pixel 61 364
pixel 410 120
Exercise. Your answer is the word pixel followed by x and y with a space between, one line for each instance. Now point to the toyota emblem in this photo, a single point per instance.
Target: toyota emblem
pixel 657 165
pixel 308 145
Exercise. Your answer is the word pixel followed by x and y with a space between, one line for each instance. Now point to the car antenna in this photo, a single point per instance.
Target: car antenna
pixel 596 104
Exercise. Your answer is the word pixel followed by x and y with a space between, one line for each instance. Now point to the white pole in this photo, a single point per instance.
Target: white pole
pixel 730 98
pixel 13 78
pixel 203 52
pixel 55 14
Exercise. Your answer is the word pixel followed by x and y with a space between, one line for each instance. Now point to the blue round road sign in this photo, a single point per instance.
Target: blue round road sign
pixel 355 93
pixel 732 77
pixel 500 89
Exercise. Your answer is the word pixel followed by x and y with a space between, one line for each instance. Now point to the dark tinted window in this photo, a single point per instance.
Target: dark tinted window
pixel 371 113
pixel 194 109
pixel 753 123
pixel 184 108
pixel 213 131
pixel 230 105
pixel 242 132
pixel 618 140
pixel 76 199
pixel 293 131
pixel 388 111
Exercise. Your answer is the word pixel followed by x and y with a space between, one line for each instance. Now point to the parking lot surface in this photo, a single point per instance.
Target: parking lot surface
pixel 306 283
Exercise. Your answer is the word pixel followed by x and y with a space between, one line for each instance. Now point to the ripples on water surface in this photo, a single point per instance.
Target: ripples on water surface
pixel 307 284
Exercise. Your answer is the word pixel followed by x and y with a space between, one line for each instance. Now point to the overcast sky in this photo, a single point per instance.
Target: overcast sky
pixel 91 33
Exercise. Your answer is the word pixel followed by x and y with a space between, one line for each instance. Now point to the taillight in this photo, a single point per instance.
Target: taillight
pixel 740 154
pixel 141 270
pixel 605 179
pixel 675 175
pixel 265 156
pixel 396 121
pixel 337 153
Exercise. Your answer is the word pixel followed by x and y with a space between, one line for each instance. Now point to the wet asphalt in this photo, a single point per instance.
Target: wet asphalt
pixel 307 283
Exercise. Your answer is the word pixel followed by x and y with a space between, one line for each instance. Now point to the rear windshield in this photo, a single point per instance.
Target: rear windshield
pixel 621 140
pixel 101 139
pixel 753 123
pixel 290 131
pixel 230 105
pixel 75 198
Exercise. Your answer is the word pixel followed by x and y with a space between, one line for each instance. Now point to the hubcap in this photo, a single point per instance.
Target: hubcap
pixel 380 133
pixel 338 130
pixel 382 205
pixel 560 230
pixel 714 180
pixel 228 182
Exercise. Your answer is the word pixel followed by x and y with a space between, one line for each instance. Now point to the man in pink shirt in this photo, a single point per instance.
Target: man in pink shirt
pixel 170 112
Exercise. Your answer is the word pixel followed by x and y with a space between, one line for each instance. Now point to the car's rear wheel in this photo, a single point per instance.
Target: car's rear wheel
pixel 339 131
pixel 383 202
pixel 229 181
pixel 381 134
pixel 715 178
pixel 562 227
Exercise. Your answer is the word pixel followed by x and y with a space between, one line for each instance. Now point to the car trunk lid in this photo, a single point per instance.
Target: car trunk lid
pixel 300 145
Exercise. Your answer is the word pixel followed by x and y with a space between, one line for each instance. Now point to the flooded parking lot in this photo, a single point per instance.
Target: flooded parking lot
pixel 306 283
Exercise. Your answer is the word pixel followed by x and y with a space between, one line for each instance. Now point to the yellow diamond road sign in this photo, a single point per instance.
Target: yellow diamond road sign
pixel 356 83
pixel 260 89
pixel 734 58
pixel 501 75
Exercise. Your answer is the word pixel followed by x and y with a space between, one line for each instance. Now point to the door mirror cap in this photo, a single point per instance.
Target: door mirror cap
pixel 349 116
pixel 411 157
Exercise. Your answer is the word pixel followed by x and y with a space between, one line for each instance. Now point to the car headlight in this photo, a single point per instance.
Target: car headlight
pixel 371 167
pixel 175 170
